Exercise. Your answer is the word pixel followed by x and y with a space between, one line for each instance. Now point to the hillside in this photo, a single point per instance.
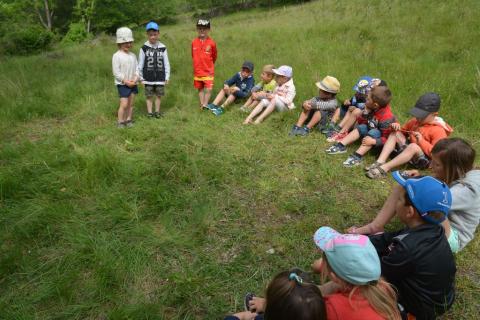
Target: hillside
pixel 173 218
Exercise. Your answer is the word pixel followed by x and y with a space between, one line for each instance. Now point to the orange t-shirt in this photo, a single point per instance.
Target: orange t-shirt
pixel 204 55
pixel 339 307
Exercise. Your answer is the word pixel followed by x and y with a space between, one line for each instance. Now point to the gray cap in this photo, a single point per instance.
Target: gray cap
pixel 248 65
pixel 426 104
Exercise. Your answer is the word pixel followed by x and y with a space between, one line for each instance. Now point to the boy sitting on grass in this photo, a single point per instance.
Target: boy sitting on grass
pixel 281 99
pixel 374 127
pixel 349 111
pixel 261 89
pixel 318 109
pixel 237 87
pixel 415 139
pixel 154 69
pixel 417 260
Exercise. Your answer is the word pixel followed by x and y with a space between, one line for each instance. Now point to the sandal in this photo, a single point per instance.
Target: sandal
pixel 376 164
pixel 248 297
pixel 376 173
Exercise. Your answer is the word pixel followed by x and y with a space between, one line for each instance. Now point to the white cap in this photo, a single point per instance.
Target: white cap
pixel 124 34
pixel 285 71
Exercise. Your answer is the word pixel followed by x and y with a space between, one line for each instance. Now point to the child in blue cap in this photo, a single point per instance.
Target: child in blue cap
pixel 356 290
pixel 417 260
pixel 154 69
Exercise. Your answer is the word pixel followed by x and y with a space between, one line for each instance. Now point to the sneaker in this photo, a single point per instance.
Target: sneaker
pixel 121 125
pixel 352 161
pixel 294 130
pixel 218 111
pixel 337 136
pixel 336 149
pixel 158 115
pixel 150 115
pixel 129 123
pixel 303 131
pixel 211 106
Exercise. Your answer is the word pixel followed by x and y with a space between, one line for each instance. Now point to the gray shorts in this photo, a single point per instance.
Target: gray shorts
pixel 154 90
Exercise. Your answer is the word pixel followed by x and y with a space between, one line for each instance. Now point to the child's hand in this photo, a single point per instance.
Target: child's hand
pixel 347 103
pixel 418 135
pixel 412 173
pixel 317 265
pixel 234 89
pixel 257 304
pixel 245 315
pixel 307 105
pixel 269 96
pixel 226 88
pixel 129 83
pixel 368 141
pixel 351 108
pixel 395 126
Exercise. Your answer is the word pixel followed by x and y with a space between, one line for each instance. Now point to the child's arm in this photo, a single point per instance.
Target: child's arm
pixel 117 73
pixel 141 62
pixel 289 96
pixel 137 75
pixel 232 80
pixel 427 143
pixel 329 105
pixel 245 92
pixel 214 52
pixel 166 65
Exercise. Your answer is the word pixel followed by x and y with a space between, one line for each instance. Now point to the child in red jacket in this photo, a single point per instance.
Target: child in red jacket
pixel 415 140
pixel 373 127
pixel 204 55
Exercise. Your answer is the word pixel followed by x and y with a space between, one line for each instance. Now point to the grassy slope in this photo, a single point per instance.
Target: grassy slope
pixel 172 219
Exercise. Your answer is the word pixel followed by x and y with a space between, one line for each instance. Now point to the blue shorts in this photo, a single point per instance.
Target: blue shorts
pixel 125 91
pixel 365 131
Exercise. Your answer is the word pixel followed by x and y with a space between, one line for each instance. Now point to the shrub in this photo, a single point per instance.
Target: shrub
pixel 76 33
pixel 26 40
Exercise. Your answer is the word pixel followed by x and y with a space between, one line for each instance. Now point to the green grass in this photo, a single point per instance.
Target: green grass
pixel 172 219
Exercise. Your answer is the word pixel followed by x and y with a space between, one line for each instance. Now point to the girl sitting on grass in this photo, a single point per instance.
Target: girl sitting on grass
pixel 261 89
pixel 288 297
pixel 356 290
pixel 452 162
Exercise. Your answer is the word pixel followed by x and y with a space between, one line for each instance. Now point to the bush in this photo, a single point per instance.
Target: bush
pixel 26 40
pixel 76 33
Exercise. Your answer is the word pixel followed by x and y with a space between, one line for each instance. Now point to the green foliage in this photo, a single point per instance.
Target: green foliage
pixel 26 39
pixel 172 219
pixel 76 33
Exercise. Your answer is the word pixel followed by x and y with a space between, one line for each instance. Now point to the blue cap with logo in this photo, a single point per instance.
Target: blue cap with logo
pixel 152 26
pixel 362 84
pixel 427 194
pixel 351 256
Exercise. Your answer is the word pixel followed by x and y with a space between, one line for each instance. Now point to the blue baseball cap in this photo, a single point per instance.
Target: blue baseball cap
pixel 427 194
pixel 362 84
pixel 351 256
pixel 152 26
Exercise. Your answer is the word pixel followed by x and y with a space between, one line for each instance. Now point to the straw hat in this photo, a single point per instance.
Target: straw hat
pixel 329 84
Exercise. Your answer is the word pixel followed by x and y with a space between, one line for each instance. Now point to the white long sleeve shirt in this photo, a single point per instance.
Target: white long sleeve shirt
pixel 124 67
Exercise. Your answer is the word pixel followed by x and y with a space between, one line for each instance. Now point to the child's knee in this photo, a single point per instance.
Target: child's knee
pixel 374 133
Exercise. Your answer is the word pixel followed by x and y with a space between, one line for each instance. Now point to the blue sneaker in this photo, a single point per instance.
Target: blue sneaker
pixel 211 106
pixel 218 111
pixel 336 149
pixel 352 161
pixel 303 131
pixel 294 130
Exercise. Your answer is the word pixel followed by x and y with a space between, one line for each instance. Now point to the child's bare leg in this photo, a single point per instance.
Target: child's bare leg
pixel 411 151
pixel 345 118
pixel 383 216
pixel 317 116
pixel 351 137
pixel 387 149
pixel 158 102
pixel 229 100
pixel 336 115
pixel 248 103
pixel 206 96
pixel 303 117
pixel 148 100
pixel 269 109
pixel 351 120
pixel 219 98
pixel 122 109
pixel 363 150
pixel 129 114
pixel 254 104
pixel 201 97
pixel 258 109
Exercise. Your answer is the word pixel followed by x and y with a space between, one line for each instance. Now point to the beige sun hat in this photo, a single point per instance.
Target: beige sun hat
pixel 329 84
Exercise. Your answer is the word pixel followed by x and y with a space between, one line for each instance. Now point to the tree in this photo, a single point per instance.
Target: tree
pixel 45 10
pixel 85 10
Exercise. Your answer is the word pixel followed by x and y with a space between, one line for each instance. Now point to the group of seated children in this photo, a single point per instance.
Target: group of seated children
pixel 407 274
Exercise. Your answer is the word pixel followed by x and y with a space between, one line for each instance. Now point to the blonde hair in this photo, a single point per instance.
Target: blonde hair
pixel 379 294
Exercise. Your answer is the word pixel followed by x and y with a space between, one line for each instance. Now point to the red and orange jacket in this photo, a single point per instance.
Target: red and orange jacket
pixel 204 55
pixel 431 133
pixel 380 119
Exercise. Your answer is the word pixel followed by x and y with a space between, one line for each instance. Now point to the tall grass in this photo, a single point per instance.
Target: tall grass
pixel 172 219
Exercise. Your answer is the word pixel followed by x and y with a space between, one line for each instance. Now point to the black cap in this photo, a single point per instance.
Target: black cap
pixel 426 104
pixel 248 65
pixel 203 23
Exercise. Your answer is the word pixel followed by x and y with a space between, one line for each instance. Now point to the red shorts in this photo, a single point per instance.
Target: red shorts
pixel 201 84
